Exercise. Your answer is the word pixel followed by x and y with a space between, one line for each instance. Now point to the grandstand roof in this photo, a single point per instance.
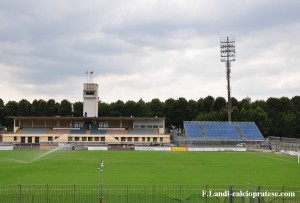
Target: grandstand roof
pixel 84 118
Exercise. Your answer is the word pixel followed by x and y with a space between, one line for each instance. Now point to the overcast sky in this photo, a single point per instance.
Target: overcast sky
pixel 148 49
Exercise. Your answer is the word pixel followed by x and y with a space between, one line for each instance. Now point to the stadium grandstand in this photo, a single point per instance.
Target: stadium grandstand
pixel 105 130
pixel 88 129
pixel 218 133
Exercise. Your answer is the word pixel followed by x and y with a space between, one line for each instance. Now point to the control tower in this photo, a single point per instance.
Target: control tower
pixel 90 97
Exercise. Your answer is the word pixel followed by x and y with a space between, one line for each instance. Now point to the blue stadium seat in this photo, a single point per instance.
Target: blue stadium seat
pixel 98 132
pixel 78 132
pixel 234 131
pixel 251 131
pixel 224 131
pixel 193 130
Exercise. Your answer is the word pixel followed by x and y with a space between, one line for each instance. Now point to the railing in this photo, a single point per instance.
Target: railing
pixel 148 194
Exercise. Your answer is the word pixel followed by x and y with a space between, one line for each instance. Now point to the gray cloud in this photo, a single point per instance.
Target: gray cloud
pixel 147 49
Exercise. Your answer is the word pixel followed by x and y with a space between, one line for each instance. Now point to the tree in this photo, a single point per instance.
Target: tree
pixel 52 108
pixel 245 104
pixel 78 109
pixel 234 102
pixel 142 110
pixel 222 114
pixel 200 104
pixel 295 131
pixel 35 108
pixel 207 104
pixel 192 109
pixel 207 116
pixel 260 117
pixel 169 113
pixel 156 108
pixel 24 108
pixel 43 107
pixel 103 109
pixel 130 109
pixel 65 108
pixel 12 108
pixel 219 103
pixel 281 115
pixel 181 111
pixel 2 113
pixel 259 103
pixel 117 108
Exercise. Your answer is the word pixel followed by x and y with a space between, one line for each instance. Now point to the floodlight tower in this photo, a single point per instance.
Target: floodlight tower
pixel 101 170
pixel 227 45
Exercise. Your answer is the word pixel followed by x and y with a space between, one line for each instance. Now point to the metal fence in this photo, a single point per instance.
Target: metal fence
pixel 283 143
pixel 148 194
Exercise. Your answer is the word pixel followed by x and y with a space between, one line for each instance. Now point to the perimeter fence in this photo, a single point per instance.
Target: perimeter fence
pixel 148 194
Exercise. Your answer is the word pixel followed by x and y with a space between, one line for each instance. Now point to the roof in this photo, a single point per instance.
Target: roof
pixel 84 118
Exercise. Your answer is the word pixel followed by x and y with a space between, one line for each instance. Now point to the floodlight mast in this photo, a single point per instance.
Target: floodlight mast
pixel 227 45
pixel 101 170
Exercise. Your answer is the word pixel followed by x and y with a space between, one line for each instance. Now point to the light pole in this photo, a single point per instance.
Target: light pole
pixel 101 169
pixel 227 45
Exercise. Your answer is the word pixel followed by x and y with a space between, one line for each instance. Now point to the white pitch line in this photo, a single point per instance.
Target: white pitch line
pixel 272 157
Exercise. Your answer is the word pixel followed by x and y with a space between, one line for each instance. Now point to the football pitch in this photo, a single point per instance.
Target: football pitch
pixel 149 168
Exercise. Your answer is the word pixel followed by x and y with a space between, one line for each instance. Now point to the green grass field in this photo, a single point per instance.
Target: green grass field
pixel 149 168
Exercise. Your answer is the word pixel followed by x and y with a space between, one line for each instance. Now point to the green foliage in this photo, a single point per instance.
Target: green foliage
pixel 65 108
pixel 219 103
pixel 52 108
pixel 78 109
pixel 274 117
pixel 24 108
pixel 2 113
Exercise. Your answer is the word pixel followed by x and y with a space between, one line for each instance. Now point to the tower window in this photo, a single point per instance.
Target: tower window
pixel 90 93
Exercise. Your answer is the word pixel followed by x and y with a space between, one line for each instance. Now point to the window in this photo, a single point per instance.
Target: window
pixel 22 139
pixel 50 139
pixel 148 139
pixel 78 124
pixel 15 138
pixel 103 124
pixel 123 139
pixel 161 139
pixel 143 126
pixel 161 126
pixel 117 138
pixel 90 139
pixel 155 126
pixel 155 139
pixel 96 139
pixel 70 139
pixel 76 139
pixel 129 139
pixel 83 139
pixel 143 139
pixel 136 139
pixel 102 139
pixel 36 139
pixel 149 126
pixel 89 93
pixel 29 139
pixel 136 126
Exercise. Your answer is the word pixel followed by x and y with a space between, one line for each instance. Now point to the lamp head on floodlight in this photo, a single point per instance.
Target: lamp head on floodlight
pixel 227 45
